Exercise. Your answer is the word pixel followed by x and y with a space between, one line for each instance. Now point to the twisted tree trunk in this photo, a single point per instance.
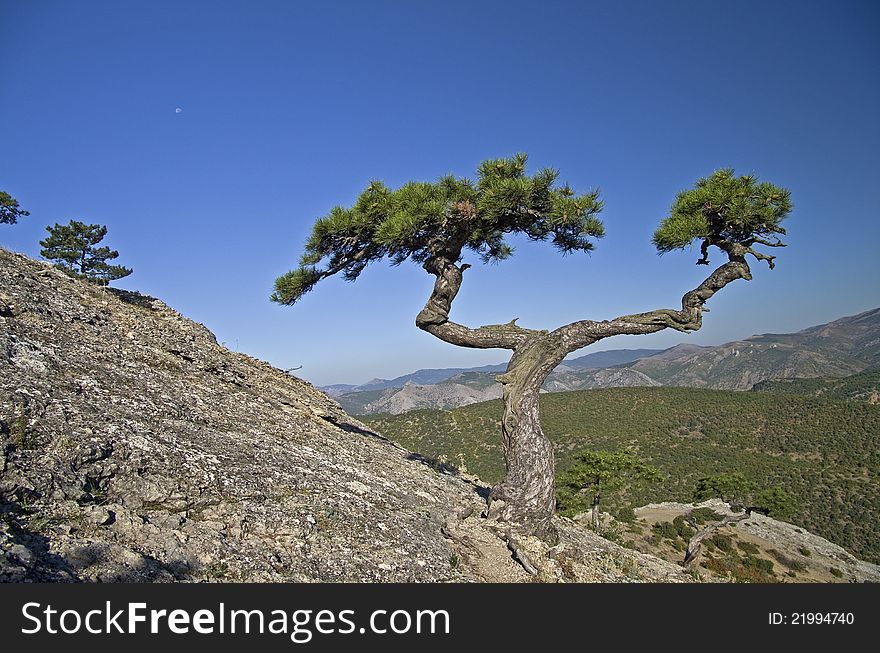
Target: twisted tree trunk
pixel 526 499
pixel 527 496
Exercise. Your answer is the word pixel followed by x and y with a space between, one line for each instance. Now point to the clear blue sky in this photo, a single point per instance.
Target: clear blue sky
pixel 289 108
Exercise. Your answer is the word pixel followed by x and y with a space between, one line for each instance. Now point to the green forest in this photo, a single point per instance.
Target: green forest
pixel 824 453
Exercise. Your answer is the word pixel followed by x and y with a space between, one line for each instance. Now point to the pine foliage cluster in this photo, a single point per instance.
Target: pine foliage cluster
pixel 72 246
pixel 605 470
pixel 599 471
pixel 422 220
pixel 10 210
pixel 724 208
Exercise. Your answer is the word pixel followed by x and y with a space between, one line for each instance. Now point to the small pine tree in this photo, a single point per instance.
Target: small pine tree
pixel 777 502
pixel 10 211
pixel 601 471
pixel 72 248
pixel 740 492
pixel 731 487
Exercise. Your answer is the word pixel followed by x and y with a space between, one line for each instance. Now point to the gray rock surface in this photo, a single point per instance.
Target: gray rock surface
pixel 773 534
pixel 133 447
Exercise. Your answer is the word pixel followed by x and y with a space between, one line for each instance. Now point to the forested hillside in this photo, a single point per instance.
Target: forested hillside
pixel 858 387
pixel 823 452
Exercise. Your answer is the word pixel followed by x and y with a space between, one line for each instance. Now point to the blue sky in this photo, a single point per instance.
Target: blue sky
pixel 289 108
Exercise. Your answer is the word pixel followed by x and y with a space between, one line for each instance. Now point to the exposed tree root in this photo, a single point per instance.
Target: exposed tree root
pixel 520 556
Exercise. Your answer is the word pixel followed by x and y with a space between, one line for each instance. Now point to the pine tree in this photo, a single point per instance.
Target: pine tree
pixel 434 224
pixel 72 247
pixel 738 491
pixel 604 471
pixel 10 211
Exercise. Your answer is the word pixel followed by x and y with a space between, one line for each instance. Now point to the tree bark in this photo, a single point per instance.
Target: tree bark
pixel 526 498
pixel 596 522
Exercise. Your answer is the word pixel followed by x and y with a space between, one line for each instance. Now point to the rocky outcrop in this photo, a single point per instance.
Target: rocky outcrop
pixel 795 555
pixel 134 447
pixel 614 377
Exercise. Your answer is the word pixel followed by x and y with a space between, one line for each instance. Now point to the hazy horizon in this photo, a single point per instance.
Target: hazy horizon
pixel 589 350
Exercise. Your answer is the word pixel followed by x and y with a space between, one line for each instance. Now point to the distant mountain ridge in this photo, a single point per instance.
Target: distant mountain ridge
pixel 597 359
pixel 421 377
pixel 841 348
pixel 844 347
pixel 864 386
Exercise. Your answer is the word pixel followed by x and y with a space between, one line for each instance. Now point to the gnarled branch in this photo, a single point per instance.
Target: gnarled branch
pixel 689 318
pixel 764 241
pixel 695 544
pixel 434 317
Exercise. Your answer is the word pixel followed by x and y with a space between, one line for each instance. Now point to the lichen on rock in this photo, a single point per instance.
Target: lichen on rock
pixel 134 447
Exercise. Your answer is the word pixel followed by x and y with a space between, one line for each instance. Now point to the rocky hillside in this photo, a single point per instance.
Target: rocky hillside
pixel 564 380
pixel 451 393
pixel 756 549
pixel 133 447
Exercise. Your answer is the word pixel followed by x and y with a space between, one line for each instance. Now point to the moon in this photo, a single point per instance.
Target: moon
pixel 178 110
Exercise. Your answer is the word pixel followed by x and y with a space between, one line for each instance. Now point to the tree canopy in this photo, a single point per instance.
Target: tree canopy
pixel 735 489
pixel 605 471
pixel 10 211
pixel 421 220
pixel 72 247
pixel 723 210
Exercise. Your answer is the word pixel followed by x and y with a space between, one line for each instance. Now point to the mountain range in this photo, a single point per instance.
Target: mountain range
pixel 593 360
pixel 844 347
